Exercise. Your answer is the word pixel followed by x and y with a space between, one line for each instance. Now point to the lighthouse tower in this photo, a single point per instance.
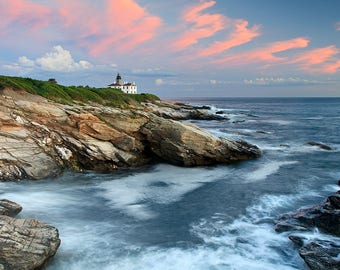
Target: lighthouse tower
pixel 119 79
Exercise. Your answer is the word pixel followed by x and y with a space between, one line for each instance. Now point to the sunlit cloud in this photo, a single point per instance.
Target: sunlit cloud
pixel 266 54
pixel 332 67
pixel 241 35
pixel 24 14
pixel 58 59
pixel 200 25
pixel 111 25
pixel 126 25
pixel 313 60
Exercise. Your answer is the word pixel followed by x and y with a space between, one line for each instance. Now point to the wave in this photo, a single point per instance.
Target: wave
pixel 134 194
pixel 267 169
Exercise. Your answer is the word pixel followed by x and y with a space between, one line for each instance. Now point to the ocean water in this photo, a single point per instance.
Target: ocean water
pixel 205 218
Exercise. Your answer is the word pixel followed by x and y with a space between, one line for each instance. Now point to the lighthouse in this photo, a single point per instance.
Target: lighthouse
pixel 126 87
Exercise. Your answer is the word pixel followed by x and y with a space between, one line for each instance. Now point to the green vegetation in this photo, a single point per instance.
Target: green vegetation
pixel 69 94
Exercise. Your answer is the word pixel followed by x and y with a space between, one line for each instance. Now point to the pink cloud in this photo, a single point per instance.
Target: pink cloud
pixel 81 18
pixel 239 36
pixel 25 13
pixel 124 26
pixel 267 54
pixel 316 56
pixel 332 68
pixel 201 25
pixel 99 27
pixel 321 60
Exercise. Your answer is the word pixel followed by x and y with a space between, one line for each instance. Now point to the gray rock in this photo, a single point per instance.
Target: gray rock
pixel 9 208
pixel 326 217
pixel 321 255
pixel 187 145
pixel 26 243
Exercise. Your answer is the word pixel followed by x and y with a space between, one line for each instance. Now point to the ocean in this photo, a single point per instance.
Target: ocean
pixel 205 218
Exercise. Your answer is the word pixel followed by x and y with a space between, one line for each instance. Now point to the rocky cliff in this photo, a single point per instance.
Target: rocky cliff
pixel 39 138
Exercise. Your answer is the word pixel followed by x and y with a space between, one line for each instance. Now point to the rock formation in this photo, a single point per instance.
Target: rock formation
pixel 318 254
pixel 25 244
pixel 39 138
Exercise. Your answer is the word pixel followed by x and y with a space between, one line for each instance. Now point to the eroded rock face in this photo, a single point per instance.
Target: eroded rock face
pixel 187 145
pixel 39 138
pixel 25 244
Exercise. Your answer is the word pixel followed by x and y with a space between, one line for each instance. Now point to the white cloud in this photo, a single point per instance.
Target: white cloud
pixel 279 81
pixel 159 81
pixel 213 81
pixel 24 61
pixel 58 59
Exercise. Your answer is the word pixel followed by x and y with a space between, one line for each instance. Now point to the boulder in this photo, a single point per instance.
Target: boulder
pixel 9 208
pixel 26 243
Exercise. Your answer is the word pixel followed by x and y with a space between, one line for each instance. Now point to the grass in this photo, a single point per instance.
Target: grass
pixel 69 94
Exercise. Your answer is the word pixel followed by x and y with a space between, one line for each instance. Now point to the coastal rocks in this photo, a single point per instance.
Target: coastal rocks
pixel 321 255
pixel 25 243
pixel 317 253
pixel 180 111
pixel 326 217
pixel 187 145
pixel 40 138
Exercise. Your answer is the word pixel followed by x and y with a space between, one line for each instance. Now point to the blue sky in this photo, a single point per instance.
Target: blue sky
pixel 179 47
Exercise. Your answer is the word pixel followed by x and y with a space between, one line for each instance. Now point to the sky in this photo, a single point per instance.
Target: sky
pixel 177 48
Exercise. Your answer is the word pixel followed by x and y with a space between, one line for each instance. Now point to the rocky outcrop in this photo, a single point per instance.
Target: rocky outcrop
pixel 25 243
pixel 325 217
pixel 319 254
pixel 39 138
pixel 180 111
pixel 188 145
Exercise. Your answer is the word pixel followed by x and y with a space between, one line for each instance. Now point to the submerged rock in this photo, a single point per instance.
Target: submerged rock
pixel 25 244
pixel 322 146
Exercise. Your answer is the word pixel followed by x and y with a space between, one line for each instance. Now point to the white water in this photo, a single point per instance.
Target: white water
pixel 216 218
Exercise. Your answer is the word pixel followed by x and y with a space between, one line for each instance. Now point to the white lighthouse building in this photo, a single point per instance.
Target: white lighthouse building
pixel 126 87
